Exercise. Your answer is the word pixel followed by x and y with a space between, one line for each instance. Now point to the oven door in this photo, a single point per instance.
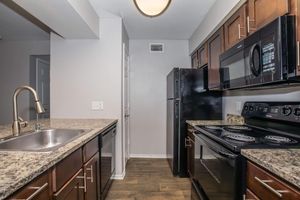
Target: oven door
pixel 217 171
pixel 233 67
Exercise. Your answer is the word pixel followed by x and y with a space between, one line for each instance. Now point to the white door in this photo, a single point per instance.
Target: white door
pixel 43 84
pixel 126 104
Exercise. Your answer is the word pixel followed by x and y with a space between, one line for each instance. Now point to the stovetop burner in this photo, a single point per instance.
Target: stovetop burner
pixel 213 127
pixel 237 128
pixel 240 137
pixel 279 139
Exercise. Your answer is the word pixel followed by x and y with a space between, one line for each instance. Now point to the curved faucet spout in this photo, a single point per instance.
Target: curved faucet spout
pixel 38 106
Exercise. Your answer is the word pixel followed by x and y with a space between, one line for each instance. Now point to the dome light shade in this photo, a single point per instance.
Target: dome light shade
pixel 152 8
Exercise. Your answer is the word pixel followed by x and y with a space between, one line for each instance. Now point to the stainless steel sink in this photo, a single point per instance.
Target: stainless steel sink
pixel 42 141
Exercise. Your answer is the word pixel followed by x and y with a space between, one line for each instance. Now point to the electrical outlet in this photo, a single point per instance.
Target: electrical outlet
pixel 96 105
pixel 101 105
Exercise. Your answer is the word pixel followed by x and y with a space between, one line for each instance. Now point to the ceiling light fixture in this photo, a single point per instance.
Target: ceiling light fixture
pixel 152 8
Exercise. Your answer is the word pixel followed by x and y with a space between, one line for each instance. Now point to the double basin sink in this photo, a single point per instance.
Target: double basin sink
pixel 41 141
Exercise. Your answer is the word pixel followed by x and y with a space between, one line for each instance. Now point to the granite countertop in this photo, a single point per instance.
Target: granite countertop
pixel 284 163
pixel 18 168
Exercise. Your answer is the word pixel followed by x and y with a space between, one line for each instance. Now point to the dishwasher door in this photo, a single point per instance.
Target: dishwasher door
pixel 107 160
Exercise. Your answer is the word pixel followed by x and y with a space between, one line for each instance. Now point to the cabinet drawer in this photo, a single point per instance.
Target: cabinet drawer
pixel 65 169
pixel 38 189
pixel 90 149
pixel 266 186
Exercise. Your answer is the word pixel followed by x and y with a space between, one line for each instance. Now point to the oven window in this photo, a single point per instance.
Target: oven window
pixel 215 173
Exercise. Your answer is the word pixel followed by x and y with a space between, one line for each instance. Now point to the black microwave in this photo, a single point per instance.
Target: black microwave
pixel 265 57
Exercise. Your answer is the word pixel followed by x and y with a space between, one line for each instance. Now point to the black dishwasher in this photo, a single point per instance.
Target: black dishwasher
pixel 107 159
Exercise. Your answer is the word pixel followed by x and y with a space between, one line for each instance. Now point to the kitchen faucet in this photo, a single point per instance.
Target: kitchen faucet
pixel 18 122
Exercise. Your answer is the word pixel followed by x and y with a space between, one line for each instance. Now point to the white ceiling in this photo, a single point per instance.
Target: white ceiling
pixel 178 22
pixel 15 27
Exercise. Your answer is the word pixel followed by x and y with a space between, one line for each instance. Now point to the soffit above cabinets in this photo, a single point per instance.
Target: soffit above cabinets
pixel 178 22
pixel 72 19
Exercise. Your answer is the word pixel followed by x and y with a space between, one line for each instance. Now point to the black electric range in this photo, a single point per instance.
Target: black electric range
pixel 219 167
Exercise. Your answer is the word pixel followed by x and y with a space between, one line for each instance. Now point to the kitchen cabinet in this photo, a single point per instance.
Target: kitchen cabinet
pixel 250 196
pixel 38 189
pixel 265 186
pixel 235 29
pixel 215 46
pixel 190 146
pixel 91 169
pixel 202 55
pixel 195 61
pixel 74 188
pixel 261 12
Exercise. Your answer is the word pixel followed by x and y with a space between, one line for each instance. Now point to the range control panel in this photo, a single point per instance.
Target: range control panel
pixel 287 111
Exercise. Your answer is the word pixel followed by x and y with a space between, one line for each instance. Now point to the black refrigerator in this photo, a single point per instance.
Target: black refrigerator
pixel 187 99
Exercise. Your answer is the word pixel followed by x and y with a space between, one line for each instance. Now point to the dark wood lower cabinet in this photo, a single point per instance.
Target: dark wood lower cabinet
pixel 74 189
pixel 266 186
pixel 190 145
pixel 38 189
pixel 91 169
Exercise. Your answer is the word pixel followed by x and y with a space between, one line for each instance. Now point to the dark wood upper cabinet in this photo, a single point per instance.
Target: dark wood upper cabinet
pixel 261 12
pixel 195 61
pixel 202 55
pixel 215 46
pixel 236 27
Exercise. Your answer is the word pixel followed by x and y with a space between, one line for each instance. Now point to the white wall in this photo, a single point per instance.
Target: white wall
pixel 14 72
pixel 234 100
pixel 148 94
pixel 213 19
pixel 83 71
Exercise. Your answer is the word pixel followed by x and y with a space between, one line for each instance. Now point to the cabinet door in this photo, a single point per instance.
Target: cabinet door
pixel 38 189
pixel 202 55
pixel 236 27
pixel 195 62
pixel 262 12
pixel 74 189
pixel 215 46
pixel 91 168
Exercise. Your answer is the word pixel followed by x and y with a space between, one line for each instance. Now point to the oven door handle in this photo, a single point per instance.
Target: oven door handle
pixel 227 155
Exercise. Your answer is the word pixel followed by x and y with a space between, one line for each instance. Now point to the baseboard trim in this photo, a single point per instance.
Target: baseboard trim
pixel 119 176
pixel 148 156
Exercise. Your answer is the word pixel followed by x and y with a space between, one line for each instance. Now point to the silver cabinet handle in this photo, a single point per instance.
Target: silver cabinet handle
pixel 92 175
pixel 84 181
pixel 298 53
pixel 239 27
pixel 38 190
pixel 186 142
pixel 264 183
pixel 248 24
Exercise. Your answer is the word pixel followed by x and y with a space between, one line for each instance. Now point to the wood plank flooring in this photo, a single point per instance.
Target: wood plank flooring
pixel 149 179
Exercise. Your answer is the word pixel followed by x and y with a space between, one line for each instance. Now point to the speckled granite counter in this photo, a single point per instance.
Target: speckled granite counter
pixel 211 122
pixel 284 163
pixel 19 168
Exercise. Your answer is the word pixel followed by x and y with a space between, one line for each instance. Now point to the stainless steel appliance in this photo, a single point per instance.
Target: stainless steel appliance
pixel 219 168
pixel 187 99
pixel 267 56
pixel 107 160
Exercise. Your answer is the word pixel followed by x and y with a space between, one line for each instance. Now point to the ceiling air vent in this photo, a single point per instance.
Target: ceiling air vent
pixel 156 48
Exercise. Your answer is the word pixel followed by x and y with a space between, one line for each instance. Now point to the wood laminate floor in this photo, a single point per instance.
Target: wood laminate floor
pixel 149 179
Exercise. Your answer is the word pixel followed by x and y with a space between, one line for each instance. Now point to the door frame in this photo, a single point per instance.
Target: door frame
pixel 125 141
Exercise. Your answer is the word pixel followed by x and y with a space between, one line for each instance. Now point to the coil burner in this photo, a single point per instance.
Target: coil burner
pixel 237 128
pixel 279 139
pixel 240 137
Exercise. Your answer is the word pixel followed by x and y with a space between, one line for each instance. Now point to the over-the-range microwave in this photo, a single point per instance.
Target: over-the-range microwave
pixel 265 57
